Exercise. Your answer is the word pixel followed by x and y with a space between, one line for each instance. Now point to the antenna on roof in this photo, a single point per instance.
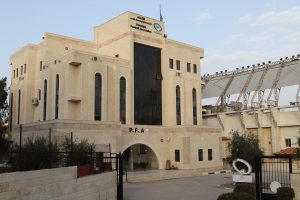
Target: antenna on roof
pixel 160 15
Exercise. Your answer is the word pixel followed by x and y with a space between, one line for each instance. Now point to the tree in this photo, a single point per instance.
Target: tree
pixel 243 146
pixel 3 111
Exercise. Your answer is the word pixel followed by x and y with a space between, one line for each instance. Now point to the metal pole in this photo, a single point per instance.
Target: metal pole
pixel 257 177
pixel 118 174
pixel 20 147
pixel 20 142
pixel 121 176
pixel 49 153
pixel 71 153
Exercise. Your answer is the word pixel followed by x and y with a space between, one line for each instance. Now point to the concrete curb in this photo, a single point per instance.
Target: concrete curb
pixel 217 172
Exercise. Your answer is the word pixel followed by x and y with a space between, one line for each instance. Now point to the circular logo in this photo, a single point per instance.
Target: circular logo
pixel 157 27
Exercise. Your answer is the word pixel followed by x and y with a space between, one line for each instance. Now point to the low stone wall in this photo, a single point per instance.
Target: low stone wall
pixel 295 181
pixel 57 184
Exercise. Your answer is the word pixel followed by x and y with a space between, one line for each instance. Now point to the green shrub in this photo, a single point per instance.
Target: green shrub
pixel 236 196
pixel 245 147
pixel 79 152
pixel 245 187
pixel 35 154
pixel 285 193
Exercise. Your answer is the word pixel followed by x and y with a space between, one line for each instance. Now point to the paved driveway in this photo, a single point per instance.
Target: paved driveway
pixel 198 188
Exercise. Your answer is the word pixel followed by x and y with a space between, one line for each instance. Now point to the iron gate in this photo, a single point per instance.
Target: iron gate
pixel 271 169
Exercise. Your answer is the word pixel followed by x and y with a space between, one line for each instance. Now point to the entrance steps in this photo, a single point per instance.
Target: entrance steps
pixel 157 175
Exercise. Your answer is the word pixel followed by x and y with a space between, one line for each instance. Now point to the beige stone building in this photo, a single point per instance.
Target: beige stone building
pixel 131 88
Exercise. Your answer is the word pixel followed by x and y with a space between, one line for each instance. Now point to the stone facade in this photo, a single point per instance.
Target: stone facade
pixel 38 102
pixel 57 184
pixel 273 126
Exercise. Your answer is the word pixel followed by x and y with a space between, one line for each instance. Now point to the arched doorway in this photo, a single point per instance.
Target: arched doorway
pixel 139 157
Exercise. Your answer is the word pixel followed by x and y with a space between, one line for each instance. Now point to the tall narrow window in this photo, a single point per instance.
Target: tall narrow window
pixel 177 155
pixel 123 100
pixel 178 109
pixel 24 68
pixel 98 96
pixel 45 99
pixel 17 72
pixel 56 96
pixel 41 65
pixel 11 111
pixel 200 154
pixel 188 67
pixel 171 63
pixel 19 106
pixel 178 64
pixel 210 156
pixel 288 142
pixel 195 68
pixel 194 106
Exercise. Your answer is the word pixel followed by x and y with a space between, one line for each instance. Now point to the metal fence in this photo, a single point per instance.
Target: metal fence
pixel 271 170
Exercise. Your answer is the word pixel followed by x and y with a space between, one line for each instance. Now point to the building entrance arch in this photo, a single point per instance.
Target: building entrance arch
pixel 139 157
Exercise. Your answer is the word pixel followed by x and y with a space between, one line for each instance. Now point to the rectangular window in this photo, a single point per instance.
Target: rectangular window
pixel 209 154
pixel 178 64
pixel 188 67
pixel 171 63
pixel 17 72
pixel 177 155
pixel 24 68
pixel 195 68
pixel 41 65
pixel 200 154
pixel 39 94
pixel 147 85
pixel 288 142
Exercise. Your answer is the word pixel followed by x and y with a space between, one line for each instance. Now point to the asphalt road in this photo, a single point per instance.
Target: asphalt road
pixel 207 187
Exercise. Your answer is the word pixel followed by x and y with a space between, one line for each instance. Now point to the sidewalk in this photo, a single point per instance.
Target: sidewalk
pixel 156 175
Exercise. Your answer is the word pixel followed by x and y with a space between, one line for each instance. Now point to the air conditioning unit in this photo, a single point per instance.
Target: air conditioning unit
pixel 35 101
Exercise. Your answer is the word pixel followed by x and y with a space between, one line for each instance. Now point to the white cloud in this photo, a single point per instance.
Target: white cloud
pixel 245 18
pixel 277 18
pixel 203 18
pixel 217 62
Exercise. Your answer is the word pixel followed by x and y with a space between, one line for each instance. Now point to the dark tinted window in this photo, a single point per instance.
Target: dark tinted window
pixel 123 100
pixel 19 106
pixel 45 100
pixel 200 154
pixel 178 64
pixel 177 155
pixel 178 107
pixel 147 85
pixel 171 63
pixel 188 67
pixel 195 68
pixel 98 96
pixel 210 156
pixel 194 106
pixel 56 96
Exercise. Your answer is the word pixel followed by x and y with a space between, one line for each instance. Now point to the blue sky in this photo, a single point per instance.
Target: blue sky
pixel 233 33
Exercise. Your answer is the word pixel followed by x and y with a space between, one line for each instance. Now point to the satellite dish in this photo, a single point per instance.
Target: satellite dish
pixel 274 186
